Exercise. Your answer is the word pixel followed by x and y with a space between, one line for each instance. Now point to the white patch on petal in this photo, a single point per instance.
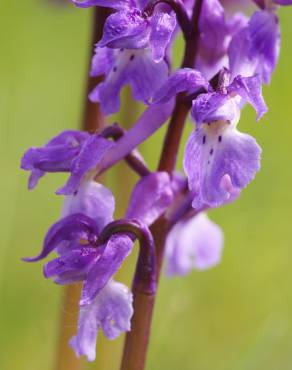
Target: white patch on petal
pixel 93 200
pixel 110 311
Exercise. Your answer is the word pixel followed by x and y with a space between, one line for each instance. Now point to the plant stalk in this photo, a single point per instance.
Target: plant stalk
pixel 137 340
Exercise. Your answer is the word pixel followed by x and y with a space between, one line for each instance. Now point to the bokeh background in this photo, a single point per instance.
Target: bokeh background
pixel 237 316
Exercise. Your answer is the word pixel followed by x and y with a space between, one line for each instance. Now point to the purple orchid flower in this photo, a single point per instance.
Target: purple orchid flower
pixel 56 156
pixel 132 28
pixel 150 198
pixel 131 51
pixel 110 311
pixel 76 152
pixel 217 31
pixel 122 67
pixel 84 165
pixel 193 243
pixel 219 160
pixel 104 303
pixel 255 48
pixel 75 238
pixel 84 215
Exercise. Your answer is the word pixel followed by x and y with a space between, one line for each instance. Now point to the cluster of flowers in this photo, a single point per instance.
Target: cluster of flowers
pixel 236 55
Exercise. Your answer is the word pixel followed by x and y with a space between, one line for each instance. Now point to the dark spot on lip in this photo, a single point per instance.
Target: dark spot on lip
pixel 132 57
pixel 115 69
pixel 204 139
pixel 220 139
pixel 211 151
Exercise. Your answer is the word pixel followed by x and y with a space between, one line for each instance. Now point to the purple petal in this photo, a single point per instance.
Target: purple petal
pixel 149 122
pixel 183 80
pixel 162 26
pixel 216 33
pixel 49 159
pixel 69 138
pixel 126 29
pixel 195 243
pixel 250 90
pixel 283 2
pixel 34 177
pixel 110 311
pixel 150 198
pixel 133 67
pixel 115 4
pixel 93 200
pixel 72 266
pixel 55 156
pixel 240 62
pixel 214 151
pixel 265 37
pixel 255 49
pixel 72 228
pixel 213 31
pixel 116 250
pixel 89 157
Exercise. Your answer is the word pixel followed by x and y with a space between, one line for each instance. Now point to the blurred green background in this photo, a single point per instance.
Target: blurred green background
pixel 237 316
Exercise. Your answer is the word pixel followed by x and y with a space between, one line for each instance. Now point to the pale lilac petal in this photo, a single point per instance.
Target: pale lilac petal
pixel 93 200
pixel 115 4
pixel 183 80
pixel 149 122
pixel 126 29
pixel 194 243
pixel 213 152
pixel 89 157
pixel 110 311
pixel 150 198
pixel 116 250
pixel 133 67
pixel 72 229
pixel 162 26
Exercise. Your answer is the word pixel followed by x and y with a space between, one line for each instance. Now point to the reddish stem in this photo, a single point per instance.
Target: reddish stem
pixel 136 345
